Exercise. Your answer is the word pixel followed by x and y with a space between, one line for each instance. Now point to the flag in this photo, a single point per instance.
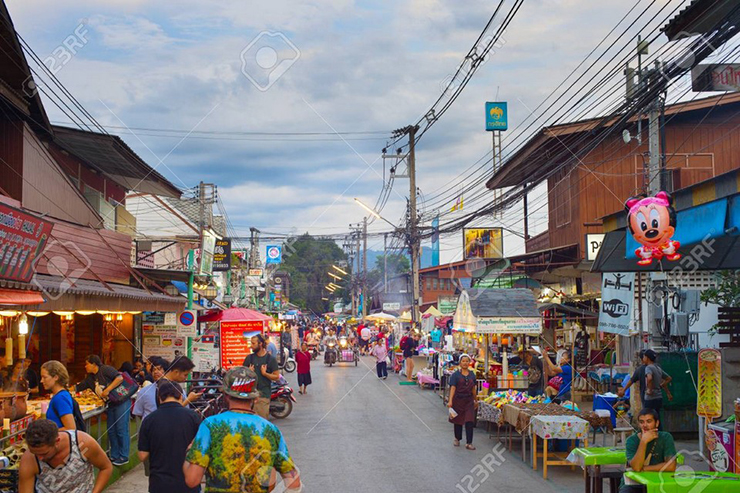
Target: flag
pixel 458 204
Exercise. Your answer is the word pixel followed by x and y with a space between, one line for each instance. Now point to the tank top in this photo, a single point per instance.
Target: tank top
pixel 74 476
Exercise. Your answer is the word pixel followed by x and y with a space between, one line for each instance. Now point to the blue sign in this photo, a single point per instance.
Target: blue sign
pixel 274 254
pixel 187 318
pixel 497 116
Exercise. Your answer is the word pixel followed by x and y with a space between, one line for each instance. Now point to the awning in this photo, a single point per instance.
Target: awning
pixel 15 297
pixel 92 295
pixel 725 255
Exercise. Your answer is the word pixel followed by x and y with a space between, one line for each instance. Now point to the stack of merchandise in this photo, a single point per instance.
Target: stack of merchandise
pixel 500 399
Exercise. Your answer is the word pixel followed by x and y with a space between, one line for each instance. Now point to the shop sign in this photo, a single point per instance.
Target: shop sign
pixel 206 253
pixel 22 240
pixel 222 255
pixel 205 354
pixel 483 243
pixel 617 298
pixel 255 272
pixel 593 245
pixel 447 304
pixel 235 344
pixel 716 77
pixel 509 325
pixel 497 116
pixel 274 254
pixel 391 307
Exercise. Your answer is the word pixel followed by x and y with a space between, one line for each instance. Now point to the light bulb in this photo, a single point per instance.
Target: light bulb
pixel 23 325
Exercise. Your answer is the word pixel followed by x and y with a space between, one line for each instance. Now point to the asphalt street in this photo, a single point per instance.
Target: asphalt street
pixel 355 433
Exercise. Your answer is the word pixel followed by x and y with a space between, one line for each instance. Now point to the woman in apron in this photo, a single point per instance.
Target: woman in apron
pixel 463 402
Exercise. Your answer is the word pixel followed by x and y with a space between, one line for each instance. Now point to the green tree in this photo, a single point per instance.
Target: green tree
pixel 308 260
pixel 398 263
pixel 726 293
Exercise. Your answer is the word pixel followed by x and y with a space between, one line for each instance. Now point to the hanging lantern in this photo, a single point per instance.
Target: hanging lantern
pixel 652 222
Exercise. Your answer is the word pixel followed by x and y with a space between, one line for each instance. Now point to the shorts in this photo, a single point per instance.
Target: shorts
pixel 262 407
pixel 304 379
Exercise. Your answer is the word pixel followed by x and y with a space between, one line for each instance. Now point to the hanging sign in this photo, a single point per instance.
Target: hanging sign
pixel 22 241
pixel 709 394
pixel 206 253
pixel 593 245
pixel 222 255
pixel 617 298
pixel 235 344
pixel 652 222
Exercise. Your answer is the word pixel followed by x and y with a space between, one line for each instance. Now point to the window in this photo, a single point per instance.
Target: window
pixel 429 283
pixel 561 199
pixel 434 283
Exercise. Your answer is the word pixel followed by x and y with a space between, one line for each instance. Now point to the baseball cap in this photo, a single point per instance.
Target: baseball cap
pixel 652 356
pixel 240 383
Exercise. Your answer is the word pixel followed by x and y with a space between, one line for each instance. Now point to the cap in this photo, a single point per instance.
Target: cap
pixel 240 383
pixel 652 356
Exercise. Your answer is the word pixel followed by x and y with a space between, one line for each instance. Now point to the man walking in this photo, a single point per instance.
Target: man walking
pixel 164 438
pixel 237 450
pixel 62 461
pixel 381 353
pixel 266 368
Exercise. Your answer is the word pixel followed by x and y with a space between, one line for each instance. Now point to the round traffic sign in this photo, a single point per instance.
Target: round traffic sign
pixel 273 252
pixel 187 319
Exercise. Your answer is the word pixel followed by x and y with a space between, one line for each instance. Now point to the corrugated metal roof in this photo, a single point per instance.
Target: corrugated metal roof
pixel 503 303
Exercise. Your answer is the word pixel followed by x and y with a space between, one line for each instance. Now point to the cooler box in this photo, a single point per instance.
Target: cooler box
pixel 606 402
pixel 720 447
pixel 348 355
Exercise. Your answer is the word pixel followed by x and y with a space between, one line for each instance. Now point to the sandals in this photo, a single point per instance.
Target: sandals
pixel 456 443
pixel 470 446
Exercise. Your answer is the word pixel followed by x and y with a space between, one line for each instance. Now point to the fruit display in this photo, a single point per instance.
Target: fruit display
pixel 499 399
pixel 89 398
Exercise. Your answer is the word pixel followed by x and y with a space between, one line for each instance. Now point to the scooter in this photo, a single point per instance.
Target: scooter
pixel 330 355
pixel 287 363
pixel 281 399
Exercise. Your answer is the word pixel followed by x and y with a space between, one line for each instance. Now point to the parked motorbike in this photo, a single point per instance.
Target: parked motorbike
pixel 281 399
pixel 287 363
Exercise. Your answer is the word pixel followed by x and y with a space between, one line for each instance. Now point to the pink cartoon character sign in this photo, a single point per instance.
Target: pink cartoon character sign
pixel 652 222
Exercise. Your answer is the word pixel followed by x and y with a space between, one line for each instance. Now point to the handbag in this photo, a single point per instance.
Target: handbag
pixel 124 391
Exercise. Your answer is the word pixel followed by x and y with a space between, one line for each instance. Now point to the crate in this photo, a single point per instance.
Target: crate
pixel 8 480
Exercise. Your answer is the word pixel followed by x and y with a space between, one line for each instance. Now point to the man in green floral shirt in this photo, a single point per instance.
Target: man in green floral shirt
pixel 237 450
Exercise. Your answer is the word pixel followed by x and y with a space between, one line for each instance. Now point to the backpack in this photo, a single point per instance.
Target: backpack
pixel 404 343
pixel 76 413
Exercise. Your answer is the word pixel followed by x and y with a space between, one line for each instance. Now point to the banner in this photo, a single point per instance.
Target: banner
pixel 222 255
pixel 483 243
pixel 235 344
pixel 205 353
pixel 22 241
pixel 617 298
pixel 206 253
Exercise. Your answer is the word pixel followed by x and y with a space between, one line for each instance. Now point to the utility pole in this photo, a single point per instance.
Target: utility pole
pixel 364 268
pixel 413 235
pixel 385 262
pixel 358 284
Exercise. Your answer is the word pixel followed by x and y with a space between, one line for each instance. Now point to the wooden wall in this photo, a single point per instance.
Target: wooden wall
pixel 11 158
pixel 696 150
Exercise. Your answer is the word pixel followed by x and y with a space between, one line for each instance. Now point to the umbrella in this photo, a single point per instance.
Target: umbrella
pixel 381 317
pixel 234 314
pixel 405 317
pixel 433 312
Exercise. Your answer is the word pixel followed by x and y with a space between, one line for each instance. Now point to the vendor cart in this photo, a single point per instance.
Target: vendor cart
pixel 347 353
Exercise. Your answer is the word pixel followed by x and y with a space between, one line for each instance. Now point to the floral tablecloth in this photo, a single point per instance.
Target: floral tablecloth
pixel 520 414
pixel 567 427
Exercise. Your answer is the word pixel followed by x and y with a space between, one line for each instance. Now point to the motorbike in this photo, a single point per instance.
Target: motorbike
pixel 287 363
pixel 281 399
pixel 330 355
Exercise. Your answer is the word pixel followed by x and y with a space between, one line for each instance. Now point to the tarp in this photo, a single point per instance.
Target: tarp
pixel 433 312
pixel 405 317
pixel 16 297
pixel 381 317
pixel 234 315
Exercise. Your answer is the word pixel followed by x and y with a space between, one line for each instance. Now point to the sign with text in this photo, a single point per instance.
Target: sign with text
pixel 222 255
pixel 255 272
pixel 235 344
pixel 447 304
pixel 617 298
pixel 497 116
pixel 593 245
pixel 509 325
pixel 716 77
pixel 391 307
pixel 186 324
pixel 22 241
pixel 206 253
pixel 205 353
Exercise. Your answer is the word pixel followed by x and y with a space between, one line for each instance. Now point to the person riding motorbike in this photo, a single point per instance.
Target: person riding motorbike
pixel 330 343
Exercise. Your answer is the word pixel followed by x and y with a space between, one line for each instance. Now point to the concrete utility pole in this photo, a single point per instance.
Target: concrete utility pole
pixel 413 234
pixel 364 268
pixel 357 283
pixel 385 262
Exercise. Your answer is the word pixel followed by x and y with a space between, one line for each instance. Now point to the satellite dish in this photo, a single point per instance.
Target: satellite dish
pixel 626 137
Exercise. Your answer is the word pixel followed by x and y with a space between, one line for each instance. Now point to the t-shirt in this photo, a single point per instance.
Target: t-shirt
pixel 436 335
pixel 457 378
pixel 303 362
pixel 239 451
pixel 639 376
pixel 380 351
pixel 60 405
pixel 581 346
pixel 411 345
pixel 659 450
pixel 535 373
pixel 166 434
pixel 104 377
pixel 567 376
pixel 653 392
pixel 146 401
pixel 272 349
pixel 365 334
pixel 263 383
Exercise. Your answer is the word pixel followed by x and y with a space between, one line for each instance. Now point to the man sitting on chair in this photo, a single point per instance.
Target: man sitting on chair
pixel 650 450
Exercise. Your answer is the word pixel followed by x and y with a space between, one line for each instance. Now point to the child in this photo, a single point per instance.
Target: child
pixel 303 360
pixel 622 407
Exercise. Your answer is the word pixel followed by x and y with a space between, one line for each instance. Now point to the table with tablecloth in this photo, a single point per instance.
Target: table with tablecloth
pixel 424 379
pixel 520 414
pixel 689 481
pixel 563 427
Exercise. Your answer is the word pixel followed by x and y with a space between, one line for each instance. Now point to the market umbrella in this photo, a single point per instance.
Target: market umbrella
pixel 433 312
pixel 234 314
pixel 405 317
pixel 381 317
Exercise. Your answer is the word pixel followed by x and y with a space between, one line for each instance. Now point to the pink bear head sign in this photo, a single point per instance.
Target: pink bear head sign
pixel 652 222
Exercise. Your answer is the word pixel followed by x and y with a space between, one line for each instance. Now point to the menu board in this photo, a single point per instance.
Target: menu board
pixel 235 344
pixel 205 353
pixel 160 338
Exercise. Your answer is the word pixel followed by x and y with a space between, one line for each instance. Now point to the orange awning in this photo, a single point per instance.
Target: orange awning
pixel 18 297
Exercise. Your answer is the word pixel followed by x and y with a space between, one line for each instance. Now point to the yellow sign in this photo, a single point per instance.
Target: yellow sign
pixel 709 395
pixel 483 243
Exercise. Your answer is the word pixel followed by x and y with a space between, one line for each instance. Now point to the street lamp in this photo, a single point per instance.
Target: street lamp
pixel 340 270
pixel 338 278
pixel 373 213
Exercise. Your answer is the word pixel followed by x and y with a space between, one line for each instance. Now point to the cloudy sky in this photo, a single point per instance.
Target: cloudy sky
pixel 348 66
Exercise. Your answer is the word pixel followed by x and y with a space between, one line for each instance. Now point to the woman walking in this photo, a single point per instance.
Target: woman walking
pixel 303 360
pixel 463 402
